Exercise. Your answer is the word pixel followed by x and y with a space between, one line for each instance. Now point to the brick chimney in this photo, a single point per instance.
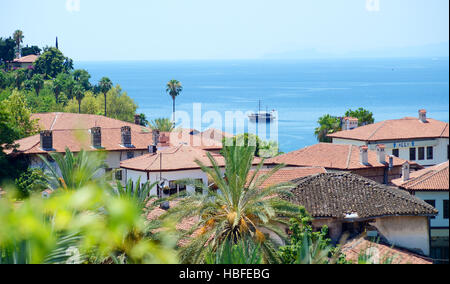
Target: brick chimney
pixel 47 140
pixel 155 136
pixel 391 162
pixel 126 136
pixel 137 119
pixel 164 142
pixel 423 115
pixel 364 155
pixel 405 171
pixel 96 137
pixel 381 154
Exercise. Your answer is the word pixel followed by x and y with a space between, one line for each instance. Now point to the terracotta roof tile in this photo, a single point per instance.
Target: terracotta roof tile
pixel 334 195
pixel 288 175
pixel 397 129
pixel 26 59
pixel 433 178
pixel 380 253
pixel 214 134
pixel 331 156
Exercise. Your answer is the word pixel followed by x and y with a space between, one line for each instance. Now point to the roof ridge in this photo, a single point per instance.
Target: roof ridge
pixel 376 130
pixel 426 176
pixel 54 121
pixel 349 156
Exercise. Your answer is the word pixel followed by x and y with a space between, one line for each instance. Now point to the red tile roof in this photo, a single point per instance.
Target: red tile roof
pixel 434 179
pixel 288 175
pixel 26 59
pixel 76 140
pixel 379 253
pixel 173 159
pixel 397 129
pixel 331 156
pixel 215 134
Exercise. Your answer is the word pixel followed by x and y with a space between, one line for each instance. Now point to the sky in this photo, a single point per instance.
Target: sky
pixel 103 30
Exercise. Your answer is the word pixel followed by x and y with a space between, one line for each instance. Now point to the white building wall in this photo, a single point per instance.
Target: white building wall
pixel 440 148
pixel 439 198
pixel 410 232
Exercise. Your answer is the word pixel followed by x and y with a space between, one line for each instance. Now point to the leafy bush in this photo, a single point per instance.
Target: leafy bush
pixel 33 180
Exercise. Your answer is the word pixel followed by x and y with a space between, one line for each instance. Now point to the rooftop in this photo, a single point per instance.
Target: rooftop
pixel 433 179
pixel 332 156
pixel 336 195
pixel 214 134
pixel 397 129
pixel 380 253
pixel 288 175
pixel 26 59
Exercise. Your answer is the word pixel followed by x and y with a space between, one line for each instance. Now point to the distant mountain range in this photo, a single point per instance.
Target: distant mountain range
pixel 431 50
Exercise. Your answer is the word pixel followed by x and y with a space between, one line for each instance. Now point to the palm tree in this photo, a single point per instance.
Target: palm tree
pixel 38 83
pixel 174 88
pixel 162 124
pixel 328 125
pixel 138 193
pixel 71 171
pixel 239 210
pixel 18 38
pixel 105 85
pixel 78 93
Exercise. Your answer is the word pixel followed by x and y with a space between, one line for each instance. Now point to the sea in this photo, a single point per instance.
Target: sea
pixel 300 91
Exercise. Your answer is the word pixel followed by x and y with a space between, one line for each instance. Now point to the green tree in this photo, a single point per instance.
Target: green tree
pixel 120 106
pixel 162 124
pixel 7 137
pixel 78 93
pixel 32 50
pixel 32 180
pixel 239 210
pixel 174 89
pixel 18 39
pixel 37 82
pixel 20 115
pixel 7 46
pixel 52 62
pixel 105 86
pixel 143 120
pixel 74 171
pixel 327 125
pixel 19 76
pixel 364 116
pixel 82 77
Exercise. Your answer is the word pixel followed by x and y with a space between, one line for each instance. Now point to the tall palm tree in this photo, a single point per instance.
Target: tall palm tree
pixel 78 93
pixel 174 89
pixel 18 38
pixel 105 85
pixel 74 171
pixel 239 210
pixel 327 125
pixel 38 83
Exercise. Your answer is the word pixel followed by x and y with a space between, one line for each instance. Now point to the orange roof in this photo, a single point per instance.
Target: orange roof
pixel 68 121
pixel 173 159
pixel 397 129
pixel 76 140
pixel 331 156
pixel 288 175
pixel 380 253
pixel 26 59
pixel 183 137
pixel 433 178
pixel 214 134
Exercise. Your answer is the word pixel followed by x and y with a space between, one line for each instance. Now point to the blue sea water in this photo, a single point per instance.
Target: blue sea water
pixel 300 90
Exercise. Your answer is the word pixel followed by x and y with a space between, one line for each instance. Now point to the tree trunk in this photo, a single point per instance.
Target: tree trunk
pixel 105 103
pixel 79 106
pixel 173 121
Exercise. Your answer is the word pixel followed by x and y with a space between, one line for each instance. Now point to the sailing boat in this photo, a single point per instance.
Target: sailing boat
pixel 262 116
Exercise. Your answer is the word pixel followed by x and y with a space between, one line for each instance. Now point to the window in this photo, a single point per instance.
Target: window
pixel 412 154
pixel 430 153
pixel 130 155
pixel 119 175
pixel 421 153
pixel 446 209
pixel 432 203
pixel 396 153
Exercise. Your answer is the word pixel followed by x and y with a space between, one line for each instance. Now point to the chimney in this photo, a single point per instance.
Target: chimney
pixel 96 137
pixel 391 162
pixel 423 115
pixel 164 142
pixel 381 155
pixel 137 119
pixel 405 171
pixel 152 149
pixel 155 134
pixel 126 136
pixel 364 155
pixel 47 140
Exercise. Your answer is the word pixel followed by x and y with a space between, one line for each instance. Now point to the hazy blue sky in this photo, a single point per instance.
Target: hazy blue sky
pixel 226 29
